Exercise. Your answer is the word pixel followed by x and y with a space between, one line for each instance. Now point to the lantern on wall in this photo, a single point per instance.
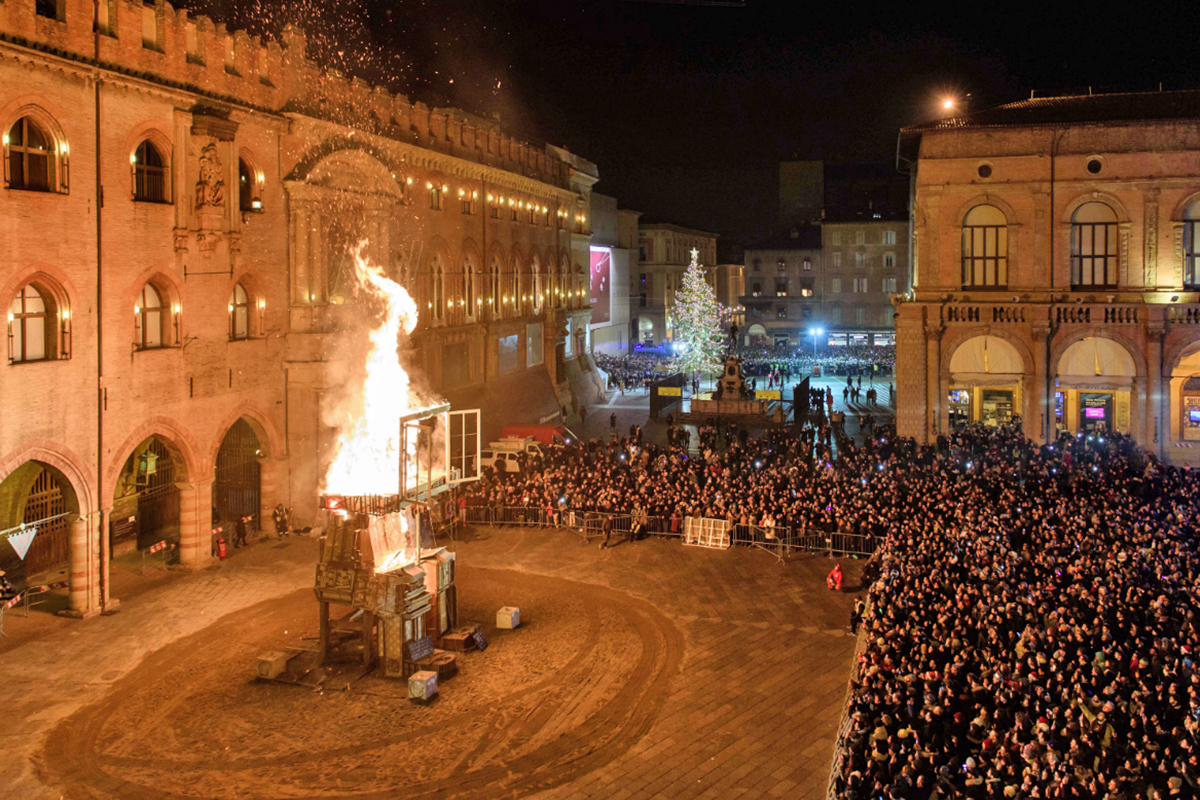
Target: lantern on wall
pixel 147 466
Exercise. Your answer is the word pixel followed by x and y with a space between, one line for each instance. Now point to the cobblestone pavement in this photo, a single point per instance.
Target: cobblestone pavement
pixel 749 674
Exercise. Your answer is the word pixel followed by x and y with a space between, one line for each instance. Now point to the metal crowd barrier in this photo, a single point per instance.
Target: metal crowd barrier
pixel 779 540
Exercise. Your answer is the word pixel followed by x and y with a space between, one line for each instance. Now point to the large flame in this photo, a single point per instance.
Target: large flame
pixel 366 458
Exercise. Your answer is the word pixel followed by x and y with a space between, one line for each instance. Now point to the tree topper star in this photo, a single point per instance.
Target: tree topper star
pixel 695 254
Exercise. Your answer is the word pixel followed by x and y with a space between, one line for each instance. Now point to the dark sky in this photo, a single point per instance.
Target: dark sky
pixel 688 109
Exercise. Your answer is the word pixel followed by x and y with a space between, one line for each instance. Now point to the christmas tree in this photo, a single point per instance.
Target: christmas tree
pixel 697 323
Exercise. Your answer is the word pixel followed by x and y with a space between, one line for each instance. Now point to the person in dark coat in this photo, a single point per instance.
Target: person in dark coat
pixel 239 532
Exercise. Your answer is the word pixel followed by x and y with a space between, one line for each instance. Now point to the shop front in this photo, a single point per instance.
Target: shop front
pixel 986 383
pixel 1094 388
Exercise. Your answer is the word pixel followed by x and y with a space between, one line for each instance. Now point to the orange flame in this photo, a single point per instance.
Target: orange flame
pixel 366 457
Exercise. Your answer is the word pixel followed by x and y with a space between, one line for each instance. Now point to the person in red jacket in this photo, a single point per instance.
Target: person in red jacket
pixel 834 581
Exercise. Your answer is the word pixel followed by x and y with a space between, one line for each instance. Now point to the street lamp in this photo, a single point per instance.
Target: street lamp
pixel 815 333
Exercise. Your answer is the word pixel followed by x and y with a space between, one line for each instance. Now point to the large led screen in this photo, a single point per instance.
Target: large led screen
pixel 601 285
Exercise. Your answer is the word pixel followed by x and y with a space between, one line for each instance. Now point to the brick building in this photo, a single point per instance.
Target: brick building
pixel 1055 270
pixel 782 289
pixel 178 205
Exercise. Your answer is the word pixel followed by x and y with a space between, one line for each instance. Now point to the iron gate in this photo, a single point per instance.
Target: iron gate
pixel 237 485
pixel 158 501
pixel 49 548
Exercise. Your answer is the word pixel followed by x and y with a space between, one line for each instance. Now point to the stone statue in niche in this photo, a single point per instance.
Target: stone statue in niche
pixel 210 189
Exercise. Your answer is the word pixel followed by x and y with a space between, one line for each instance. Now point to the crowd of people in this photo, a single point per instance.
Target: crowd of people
pixel 849 360
pixel 1033 630
pixel 634 371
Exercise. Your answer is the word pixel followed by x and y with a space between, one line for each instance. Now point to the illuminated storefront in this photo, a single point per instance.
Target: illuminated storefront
pixel 986 382
pixel 1094 387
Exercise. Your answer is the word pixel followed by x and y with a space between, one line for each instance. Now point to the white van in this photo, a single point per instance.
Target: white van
pixel 507 449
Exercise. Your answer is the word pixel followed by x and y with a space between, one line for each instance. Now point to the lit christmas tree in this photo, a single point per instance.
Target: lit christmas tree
pixel 697 323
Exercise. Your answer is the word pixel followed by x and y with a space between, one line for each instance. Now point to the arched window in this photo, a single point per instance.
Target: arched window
pixel 239 313
pixel 494 297
pixel 1094 247
pixel 1191 247
pixel 31 157
pixel 150 181
pixel 29 335
pixel 439 292
pixel 149 317
pixel 248 194
pixel 469 287
pixel 518 300
pixel 536 286
pixel 985 248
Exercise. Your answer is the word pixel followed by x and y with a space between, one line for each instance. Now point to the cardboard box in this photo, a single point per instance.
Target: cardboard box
pixel 422 686
pixel 508 617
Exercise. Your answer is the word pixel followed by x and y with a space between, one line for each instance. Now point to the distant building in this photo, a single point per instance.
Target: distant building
pixel 663 255
pixel 1057 270
pixel 866 261
pixel 613 248
pixel 782 289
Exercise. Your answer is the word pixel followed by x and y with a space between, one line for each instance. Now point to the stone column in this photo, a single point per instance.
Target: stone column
pixel 1156 436
pixel 1038 427
pixel 933 382
pixel 270 472
pixel 195 528
pixel 84 552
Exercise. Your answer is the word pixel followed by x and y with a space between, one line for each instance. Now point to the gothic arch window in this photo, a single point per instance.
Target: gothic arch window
pixel 38 325
pixel 1094 247
pixel 249 187
pixel 494 296
pixel 985 248
pixel 33 160
pixel 239 313
pixel 150 318
pixel 469 288
pixel 439 292
pixel 535 287
pixel 151 174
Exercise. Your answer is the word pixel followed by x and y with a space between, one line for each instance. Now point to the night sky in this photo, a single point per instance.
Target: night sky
pixel 688 109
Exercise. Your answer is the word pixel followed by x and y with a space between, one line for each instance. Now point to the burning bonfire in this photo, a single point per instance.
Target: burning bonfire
pixel 377 489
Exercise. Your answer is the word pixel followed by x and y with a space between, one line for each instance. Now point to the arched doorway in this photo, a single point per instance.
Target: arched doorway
pixel 1184 422
pixel 237 482
pixel 40 498
pixel 757 335
pixel 146 499
pixel 1094 387
pixel 986 382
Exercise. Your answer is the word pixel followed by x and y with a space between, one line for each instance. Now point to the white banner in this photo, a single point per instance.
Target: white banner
pixel 20 541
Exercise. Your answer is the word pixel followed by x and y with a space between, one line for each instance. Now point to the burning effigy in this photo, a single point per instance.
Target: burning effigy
pixel 391 458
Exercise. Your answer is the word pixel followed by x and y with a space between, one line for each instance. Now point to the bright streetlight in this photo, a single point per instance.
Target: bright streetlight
pixel 815 333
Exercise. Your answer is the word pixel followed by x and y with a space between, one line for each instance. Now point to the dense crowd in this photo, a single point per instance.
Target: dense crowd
pixel 1033 631
pixel 848 360
pixel 634 371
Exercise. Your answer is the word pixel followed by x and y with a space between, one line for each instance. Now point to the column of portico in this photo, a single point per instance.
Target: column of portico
pixel 84 552
pixel 195 523
pixel 1158 395
pixel 1037 427
pixel 933 383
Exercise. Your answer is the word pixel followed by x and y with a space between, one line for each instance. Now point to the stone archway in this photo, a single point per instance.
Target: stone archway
pixel 1096 386
pixel 986 382
pixel 41 498
pixel 147 497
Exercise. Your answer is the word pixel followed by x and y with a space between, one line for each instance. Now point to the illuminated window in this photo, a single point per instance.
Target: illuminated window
pixel 31 158
pixel 1094 247
pixel 985 248
pixel 28 333
pixel 149 174
pixel 1191 247
pixel 781 288
pixel 248 188
pixel 239 313
pixel 149 318
pixel 436 199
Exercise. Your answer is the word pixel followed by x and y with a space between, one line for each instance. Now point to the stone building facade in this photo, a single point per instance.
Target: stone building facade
pixel 1055 272
pixel 663 256
pixel 178 209
pixel 866 262
pixel 783 284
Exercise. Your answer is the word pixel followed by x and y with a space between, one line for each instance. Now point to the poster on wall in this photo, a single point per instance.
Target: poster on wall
pixel 601 285
pixel 1191 417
